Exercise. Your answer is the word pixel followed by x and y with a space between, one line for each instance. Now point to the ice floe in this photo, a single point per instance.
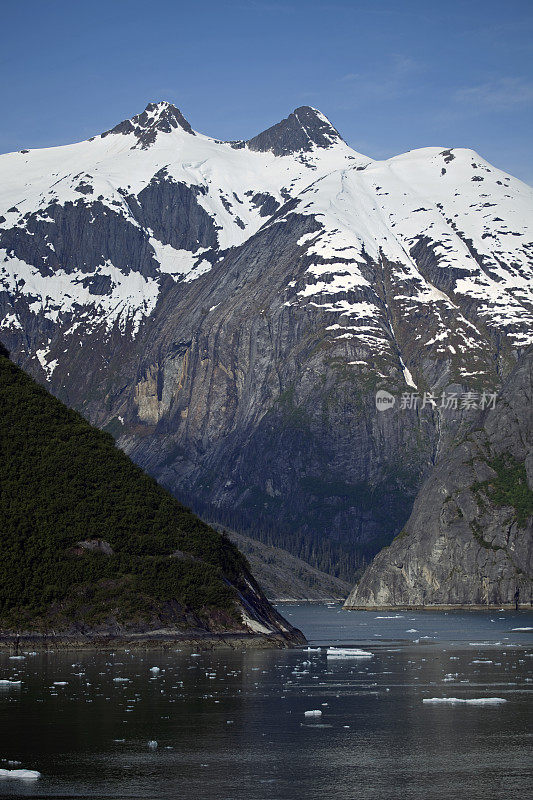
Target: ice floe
pixel 24 774
pixel 473 701
pixel 347 652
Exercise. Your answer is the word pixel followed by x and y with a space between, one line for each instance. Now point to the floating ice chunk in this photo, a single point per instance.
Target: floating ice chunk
pixel 316 713
pixel 412 630
pixel 121 680
pixel 5 682
pixel 348 652
pixel 152 744
pixel 59 683
pixel 522 629
pixel 155 670
pixel 474 701
pixel 481 701
pixel 481 661
pixel 24 774
pixel 395 616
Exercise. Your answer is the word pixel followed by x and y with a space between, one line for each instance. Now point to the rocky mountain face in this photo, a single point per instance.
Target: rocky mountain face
pixel 284 577
pixel 228 311
pixel 469 540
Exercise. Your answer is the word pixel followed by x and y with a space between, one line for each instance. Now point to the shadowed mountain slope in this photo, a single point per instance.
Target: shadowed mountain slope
pixel 93 548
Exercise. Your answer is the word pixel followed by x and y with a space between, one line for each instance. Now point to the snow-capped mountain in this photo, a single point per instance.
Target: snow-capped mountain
pixel 171 201
pixel 228 310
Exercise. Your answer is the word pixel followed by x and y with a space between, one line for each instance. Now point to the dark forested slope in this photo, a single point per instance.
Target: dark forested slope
pixel 90 542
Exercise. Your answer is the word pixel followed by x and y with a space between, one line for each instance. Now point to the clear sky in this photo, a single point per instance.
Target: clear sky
pixel 391 75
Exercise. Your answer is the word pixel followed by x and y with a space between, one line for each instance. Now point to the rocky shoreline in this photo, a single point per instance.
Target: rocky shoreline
pixel 441 607
pixel 152 641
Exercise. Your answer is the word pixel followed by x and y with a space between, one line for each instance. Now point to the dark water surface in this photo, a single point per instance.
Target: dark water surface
pixel 231 725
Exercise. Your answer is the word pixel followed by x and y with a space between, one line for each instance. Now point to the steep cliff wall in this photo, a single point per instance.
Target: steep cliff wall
pixel 469 539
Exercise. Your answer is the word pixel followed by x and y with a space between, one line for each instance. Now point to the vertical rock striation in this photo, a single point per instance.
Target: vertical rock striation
pixel 469 539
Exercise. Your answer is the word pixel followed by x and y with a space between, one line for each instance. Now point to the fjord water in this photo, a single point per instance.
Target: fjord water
pixel 231 724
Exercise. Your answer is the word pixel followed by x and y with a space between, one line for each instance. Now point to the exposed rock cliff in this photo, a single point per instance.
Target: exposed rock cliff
pixel 285 577
pixel 469 540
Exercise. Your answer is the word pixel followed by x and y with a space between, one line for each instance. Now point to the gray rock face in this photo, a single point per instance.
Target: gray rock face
pixel 469 539
pixel 285 577
pixel 300 132
pixel 255 414
pixel 96 546
pixel 172 211
pixel 64 237
pixel 156 118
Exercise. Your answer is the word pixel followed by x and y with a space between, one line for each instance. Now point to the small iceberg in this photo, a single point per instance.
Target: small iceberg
pixel 316 713
pixel 5 682
pixel 23 774
pixel 152 744
pixel 474 701
pixel 347 652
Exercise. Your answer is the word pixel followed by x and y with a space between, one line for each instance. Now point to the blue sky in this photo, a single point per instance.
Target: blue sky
pixel 391 75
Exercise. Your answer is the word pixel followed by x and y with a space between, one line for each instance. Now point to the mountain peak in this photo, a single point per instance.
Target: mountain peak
pixel 303 130
pixel 161 117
